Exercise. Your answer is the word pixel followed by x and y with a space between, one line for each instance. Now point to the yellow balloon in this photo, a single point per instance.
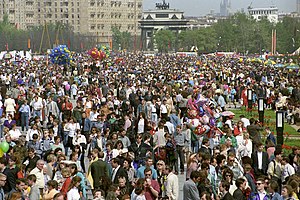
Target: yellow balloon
pixel 1 153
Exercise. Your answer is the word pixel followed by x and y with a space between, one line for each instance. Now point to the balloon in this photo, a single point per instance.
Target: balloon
pixel 1 153
pixel 4 146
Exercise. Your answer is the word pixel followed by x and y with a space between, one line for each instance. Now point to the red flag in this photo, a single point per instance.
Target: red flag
pixel 81 45
pixel 6 46
pixel 69 44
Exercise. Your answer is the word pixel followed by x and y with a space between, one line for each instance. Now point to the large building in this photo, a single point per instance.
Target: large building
pixel 89 17
pixel 298 6
pixel 225 8
pixel 157 19
pixel 270 13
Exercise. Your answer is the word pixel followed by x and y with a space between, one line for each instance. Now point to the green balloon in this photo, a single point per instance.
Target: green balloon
pixel 4 146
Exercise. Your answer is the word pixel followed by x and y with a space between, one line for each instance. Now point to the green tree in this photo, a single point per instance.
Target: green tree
pixel 164 39
pixel 121 39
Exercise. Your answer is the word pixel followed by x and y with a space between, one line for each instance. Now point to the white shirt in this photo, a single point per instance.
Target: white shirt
pixel 15 134
pixel 163 109
pixel 114 173
pixel 73 194
pixel 141 126
pixel 172 189
pixel 245 121
pixel 259 158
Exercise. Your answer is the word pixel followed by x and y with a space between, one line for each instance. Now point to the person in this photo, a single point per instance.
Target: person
pixel 287 169
pixel 75 172
pixel 10 183
pixel 261 193
pixel 287 192
pixel 141 169
pixel 254 131
pixel 224 189
pixel 34 190
pixel 241 186
pixel 25 115
pixel 180 144
pixel 190 190
pixel 118 171
pixel 9 122
pixel 139 191
pixel 274 168
pixel 260 160
pixel 2 184
pixel 39 173
pixel 66 173
pixel 151 186
pixel 171 184
pixel 73 191
pixel 192 165
pixel 51 190
pixel 58 196
pixel 272 190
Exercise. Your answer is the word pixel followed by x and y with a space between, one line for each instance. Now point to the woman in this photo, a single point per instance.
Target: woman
pixel 160 167
pixel 51 190
pixel 141 123
pixel 58 170
pixel 9 122
pixel 73 191
pixel 287 192
pixel 14 133
pixel 50 123
pixel 33 130
pixel 75 173
pixel 94 158
pixel 113 193
pixel 139 190
pixel 130 171
pixel 67 107
pixel 80 140
pixel 66 174
pixel 192 165
pixel 245 148
pixel 239 128
pixel 117 149
pixel 57 144
pixel 72 127
pixel 74 157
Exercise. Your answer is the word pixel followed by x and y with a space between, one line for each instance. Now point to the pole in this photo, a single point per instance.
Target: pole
pixel 279 126
pixel 261 110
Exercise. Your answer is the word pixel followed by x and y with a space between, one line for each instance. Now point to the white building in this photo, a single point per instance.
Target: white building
pixel 270 13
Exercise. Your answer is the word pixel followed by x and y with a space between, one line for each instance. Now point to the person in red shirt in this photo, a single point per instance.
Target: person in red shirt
pixel 151 186
pixel 67 107
pixel 66 173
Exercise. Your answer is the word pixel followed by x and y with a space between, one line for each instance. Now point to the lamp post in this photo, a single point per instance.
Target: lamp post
pixel 261 109
pixel 249 97
pixel 279 126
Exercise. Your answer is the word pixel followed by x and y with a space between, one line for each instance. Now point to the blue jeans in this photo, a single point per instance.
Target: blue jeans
pixel 24 120
pixel 37 113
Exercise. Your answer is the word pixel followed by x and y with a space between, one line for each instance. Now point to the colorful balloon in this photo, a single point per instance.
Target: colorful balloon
pixel 1 153
pixel 4 146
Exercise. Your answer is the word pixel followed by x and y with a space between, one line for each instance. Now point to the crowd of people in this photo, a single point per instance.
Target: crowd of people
pixel 130 126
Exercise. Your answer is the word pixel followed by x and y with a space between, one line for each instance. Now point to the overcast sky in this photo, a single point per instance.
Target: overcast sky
pixel 203 7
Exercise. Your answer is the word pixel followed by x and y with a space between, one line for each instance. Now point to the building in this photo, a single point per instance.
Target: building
pixel 161 18
pixel 270 13
pixel 225 8
pixel 298 6
pixel 93 18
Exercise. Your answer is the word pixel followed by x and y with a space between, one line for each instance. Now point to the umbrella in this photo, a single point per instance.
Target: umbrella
pixel 293 66
pixel 279 65
pixel 269 62
pixel 227 113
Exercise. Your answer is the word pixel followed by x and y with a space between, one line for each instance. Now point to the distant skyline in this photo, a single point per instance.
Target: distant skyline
pixel 203 7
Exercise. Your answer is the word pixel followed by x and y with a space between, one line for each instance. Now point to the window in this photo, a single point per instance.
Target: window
pixel 162 15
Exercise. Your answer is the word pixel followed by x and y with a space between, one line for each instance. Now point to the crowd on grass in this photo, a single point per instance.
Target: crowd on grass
pixel 130 126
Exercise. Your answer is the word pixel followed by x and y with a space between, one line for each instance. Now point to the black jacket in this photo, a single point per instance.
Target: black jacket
pixel 265 163
pixel 99 168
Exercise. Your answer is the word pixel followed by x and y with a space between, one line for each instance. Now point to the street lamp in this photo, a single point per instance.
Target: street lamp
pixel 249 97
pixel 279 126
pixel 261 109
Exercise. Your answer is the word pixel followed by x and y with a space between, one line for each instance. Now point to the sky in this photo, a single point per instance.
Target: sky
pixel 203 7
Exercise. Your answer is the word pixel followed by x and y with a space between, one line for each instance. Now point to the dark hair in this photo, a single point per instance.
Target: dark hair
pixel 116 160
pixel 194 175
pixel 53 184
pixel 32 177
pixel 73 166
pixel 20 180
pixel 220 158
pixel 3 161
pixel 225 184
pixel 75 180
pixel 147 169
pixel 239 182
pixel 35 136
pixel 57 195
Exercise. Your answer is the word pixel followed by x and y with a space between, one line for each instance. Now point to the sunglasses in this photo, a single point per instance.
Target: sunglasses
pixel 159 164
pixel 147 174
pixel 258 183
pixel 228 175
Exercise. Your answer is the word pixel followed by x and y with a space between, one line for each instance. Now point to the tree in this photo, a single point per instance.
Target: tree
pixel 164 39
pixel 121 39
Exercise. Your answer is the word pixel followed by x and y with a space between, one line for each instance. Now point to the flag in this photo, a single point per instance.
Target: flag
pixel 28 43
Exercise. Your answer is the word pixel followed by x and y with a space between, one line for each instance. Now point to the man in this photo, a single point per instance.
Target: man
pixel 118 171
pixel 25 114
pixel 35 144
pixel 125 140
pixel 241 185
pixel 287 169
pixel 37 105
pixel 170 126
pixel 151 186
pixel 261 192
pixel 260 160
pixel 99 168
pixel 10 183
pixel 274 168
pixel 205 147
pixel 52 108
pixel 2 184
pixel 148 163
pixel 20 187
pixel 34 190
pixel 180 144
pixel 272 188
pixel 270 137
pixel 253 130
pixel 224 189
pixel 39 173
pixel 221 100
pixel 171 184
pixel 190 190
pixel 235 166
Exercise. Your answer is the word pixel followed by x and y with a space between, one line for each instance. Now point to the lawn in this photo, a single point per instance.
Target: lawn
pixel 269 120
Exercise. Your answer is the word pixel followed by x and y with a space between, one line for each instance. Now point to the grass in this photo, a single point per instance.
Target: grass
pixel 269 120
